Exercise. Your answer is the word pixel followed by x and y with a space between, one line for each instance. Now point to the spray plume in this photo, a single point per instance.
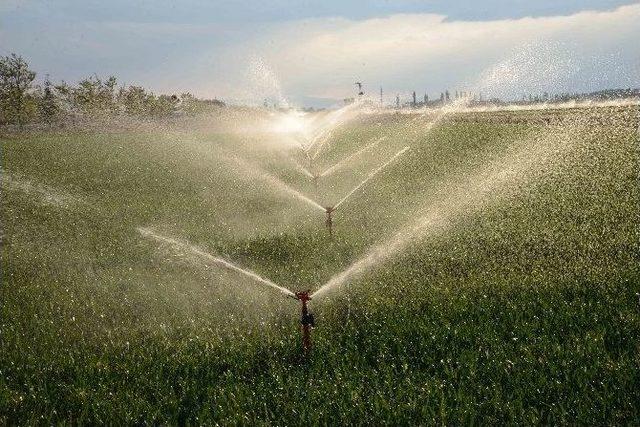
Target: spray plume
pixel 275 182
pixel 335 119
pixel 494 180
pixel 46 194
pixel 177 244
pixel 318 140
pixel 370 176
pixel 304 171
pixel 346 160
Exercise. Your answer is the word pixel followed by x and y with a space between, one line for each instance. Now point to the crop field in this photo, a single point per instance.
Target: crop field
pixel 490 273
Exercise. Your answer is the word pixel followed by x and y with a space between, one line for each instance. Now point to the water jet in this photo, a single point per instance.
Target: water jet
pixel 330 209
pixel 275 182
pixel 307 320
pixel 349 158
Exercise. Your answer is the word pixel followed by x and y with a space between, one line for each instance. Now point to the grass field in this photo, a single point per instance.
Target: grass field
pixel 516 301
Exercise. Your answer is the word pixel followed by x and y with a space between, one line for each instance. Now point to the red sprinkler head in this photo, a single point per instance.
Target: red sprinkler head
pixel 307 322
pixel 303 296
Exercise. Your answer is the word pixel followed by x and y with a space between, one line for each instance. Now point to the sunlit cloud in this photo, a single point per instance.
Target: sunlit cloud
pixel 322 58
pixel 303 61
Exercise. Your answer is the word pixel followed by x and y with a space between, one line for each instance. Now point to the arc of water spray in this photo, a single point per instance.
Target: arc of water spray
pixel 371 175
pixel 148 233
pixel 275 182
pixel 346 160
pixel 321 139
pixel 457 105
pixel 491 180
pixel 304 171
pixel 301 145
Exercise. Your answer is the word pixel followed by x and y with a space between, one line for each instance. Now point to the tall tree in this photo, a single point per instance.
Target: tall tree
pixel 16 81
pixel 95 97
pixel 48 105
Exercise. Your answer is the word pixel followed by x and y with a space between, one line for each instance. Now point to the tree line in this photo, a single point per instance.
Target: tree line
pixel 23 101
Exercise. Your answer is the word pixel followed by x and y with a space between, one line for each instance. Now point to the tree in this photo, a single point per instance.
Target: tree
pixel 135 100
pixel 47 106
pixel 95 97
pixel 164 105
pixel 189 105
pixel 16 81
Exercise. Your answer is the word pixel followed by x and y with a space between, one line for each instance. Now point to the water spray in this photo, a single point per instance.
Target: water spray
pixel 309 173
pixel 489 185
pixel 348 159
pixel 329 210
pixel 306 321
pixel 275 182
pixel 182 247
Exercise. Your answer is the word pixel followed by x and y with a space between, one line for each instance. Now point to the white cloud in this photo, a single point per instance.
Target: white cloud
pixel 323 57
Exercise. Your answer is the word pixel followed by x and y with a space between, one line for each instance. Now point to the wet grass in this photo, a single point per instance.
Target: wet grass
pixel 524 311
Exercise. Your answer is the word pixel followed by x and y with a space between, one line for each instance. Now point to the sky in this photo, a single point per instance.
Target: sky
pixel 310 53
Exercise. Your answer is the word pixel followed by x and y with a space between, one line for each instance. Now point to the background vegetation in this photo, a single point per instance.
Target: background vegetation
pixel 92 100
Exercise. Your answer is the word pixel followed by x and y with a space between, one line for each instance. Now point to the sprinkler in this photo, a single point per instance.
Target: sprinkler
pixel 306 320
pixel 315 182
pixel 329 222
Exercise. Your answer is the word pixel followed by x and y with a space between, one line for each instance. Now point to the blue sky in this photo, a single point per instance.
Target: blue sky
pixel 311 52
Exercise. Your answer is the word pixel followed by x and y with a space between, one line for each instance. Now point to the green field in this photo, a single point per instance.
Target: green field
pixel 517 302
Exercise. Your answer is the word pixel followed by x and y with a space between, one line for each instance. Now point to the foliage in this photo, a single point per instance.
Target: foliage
pixel 192 106
pixel 48 107
pixel 16 80
pixel 93 98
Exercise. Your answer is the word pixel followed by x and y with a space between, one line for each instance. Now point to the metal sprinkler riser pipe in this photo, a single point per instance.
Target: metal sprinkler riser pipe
pixel 329 221
pixel 306 321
